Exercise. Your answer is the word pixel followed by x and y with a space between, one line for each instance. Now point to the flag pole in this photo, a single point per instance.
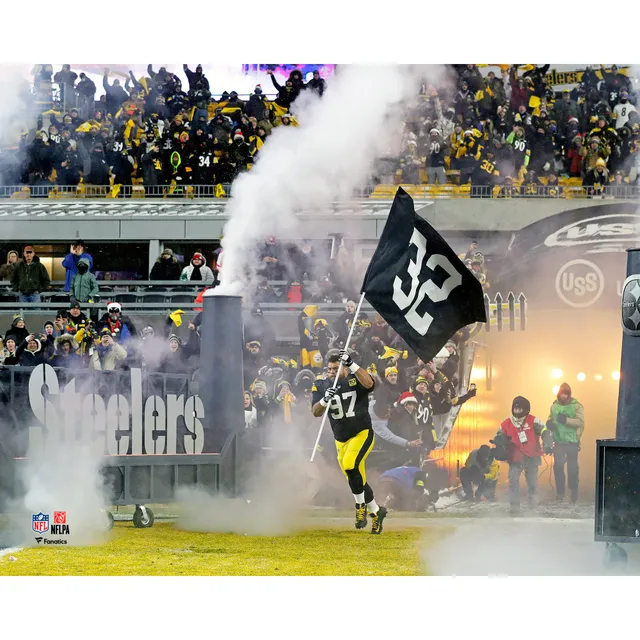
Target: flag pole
pixel 335 382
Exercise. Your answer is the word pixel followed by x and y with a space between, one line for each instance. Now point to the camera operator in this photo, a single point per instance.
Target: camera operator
pixel 481 469
pixel 524 449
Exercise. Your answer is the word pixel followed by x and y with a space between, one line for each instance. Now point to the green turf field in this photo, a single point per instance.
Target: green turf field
pixel 166 550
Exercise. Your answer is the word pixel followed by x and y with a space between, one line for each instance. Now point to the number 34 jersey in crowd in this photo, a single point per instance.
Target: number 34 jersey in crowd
pixel 349 409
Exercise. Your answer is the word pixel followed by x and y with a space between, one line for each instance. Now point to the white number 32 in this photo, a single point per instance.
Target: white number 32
pixel 429 289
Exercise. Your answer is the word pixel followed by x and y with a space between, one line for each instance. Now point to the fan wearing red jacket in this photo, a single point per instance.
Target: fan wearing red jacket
pixel 524 450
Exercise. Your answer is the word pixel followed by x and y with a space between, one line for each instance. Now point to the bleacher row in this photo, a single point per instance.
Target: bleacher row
pixel 116 291
pixel 565 188
pixel 569 188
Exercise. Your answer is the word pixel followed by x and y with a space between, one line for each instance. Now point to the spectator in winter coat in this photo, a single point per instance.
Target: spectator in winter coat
pixel 86 89
pixel 116 95
pixel 18 329
pixel 120 327
pixel 99 170
pixel 597 178
pixel 563 110
pixel 524 450
pixel 437 150
pixel 30 277
pixel 84 286
pixel 166 267
pixel 286 94
pixel 175 358
pixel 70 262
pixel 256 106
pixel 399 439
pixel 107 353
pixel 197 270
pixel 29 352
pixel 250 413
pixel 6 270
pixel 65 355
pixel 66 80
pixel 480 469
pixel 317 84
pixel 196 80
pixel 8 355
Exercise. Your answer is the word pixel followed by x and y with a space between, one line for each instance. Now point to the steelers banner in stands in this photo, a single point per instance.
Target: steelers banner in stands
pixel 417 283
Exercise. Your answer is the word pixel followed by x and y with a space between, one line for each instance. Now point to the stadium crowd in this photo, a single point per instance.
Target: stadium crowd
pixel 150 131
pixel 514 131
pixel 511 131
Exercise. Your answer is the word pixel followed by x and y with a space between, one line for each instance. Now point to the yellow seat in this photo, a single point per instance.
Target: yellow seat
pixel 563 182
pixel 446 190
pixel 575 182
pixel 575 192
pixel 409 188
pixel 384 191
pixel 464 190
pixel 425 191
pixel 137 191
pixel 25 192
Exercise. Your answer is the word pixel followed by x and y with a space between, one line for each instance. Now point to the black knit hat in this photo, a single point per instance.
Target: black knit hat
pixel 523 403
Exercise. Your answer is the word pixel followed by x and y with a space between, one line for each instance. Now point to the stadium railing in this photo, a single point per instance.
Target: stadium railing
pixel 568 190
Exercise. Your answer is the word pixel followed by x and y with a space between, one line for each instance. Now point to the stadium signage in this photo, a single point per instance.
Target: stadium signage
pixel 612 228
pixel 148 427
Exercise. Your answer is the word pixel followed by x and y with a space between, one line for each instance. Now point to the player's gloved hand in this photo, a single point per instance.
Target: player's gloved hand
pixel 562 418
pixel 328 396
pixel 347 361
pixel 549 425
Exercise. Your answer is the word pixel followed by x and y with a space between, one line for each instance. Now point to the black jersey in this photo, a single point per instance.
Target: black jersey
pixel 349 409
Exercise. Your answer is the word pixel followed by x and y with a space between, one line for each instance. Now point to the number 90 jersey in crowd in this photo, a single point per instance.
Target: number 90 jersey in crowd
pixel 349 409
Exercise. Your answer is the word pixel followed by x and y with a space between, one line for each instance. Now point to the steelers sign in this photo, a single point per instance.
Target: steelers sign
pixel 631 306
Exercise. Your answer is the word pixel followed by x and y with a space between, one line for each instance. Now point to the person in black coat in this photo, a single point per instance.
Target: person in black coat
pixel 18 329
pixel 30 353
pixel 166 267
pixel 197 80
pixel 316 84
pixel 286 94
pixel 99 172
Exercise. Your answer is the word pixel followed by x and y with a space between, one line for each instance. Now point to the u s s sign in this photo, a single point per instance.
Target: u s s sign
pixel 579 283
pixel 611 229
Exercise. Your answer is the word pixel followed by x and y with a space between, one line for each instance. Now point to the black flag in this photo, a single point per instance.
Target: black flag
pixel 417 283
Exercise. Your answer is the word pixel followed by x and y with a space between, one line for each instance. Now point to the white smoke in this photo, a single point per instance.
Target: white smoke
pixel 521 547
pixel 16 114
pixel 61 472
pixel 325 159
pixel 280 485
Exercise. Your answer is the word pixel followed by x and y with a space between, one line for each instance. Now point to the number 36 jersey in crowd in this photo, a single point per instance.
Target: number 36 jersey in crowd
pixel 349 409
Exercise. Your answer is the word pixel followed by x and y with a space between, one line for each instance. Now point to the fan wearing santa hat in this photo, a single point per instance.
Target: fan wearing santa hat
pixel 401 438
pixel 120 327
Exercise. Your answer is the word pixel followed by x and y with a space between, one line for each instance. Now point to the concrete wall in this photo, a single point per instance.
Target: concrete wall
pixel 184 220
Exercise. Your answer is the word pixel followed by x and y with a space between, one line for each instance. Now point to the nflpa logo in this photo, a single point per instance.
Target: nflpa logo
pixel 60 517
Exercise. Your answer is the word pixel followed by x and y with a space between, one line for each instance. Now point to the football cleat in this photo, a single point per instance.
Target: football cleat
pixel 361 516
pixel 376 520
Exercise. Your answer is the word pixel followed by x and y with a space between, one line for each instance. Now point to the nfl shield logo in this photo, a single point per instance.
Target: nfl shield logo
pixel 40 522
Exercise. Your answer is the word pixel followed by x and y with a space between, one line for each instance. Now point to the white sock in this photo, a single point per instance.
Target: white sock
pixel 359 497
pixel 373 507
